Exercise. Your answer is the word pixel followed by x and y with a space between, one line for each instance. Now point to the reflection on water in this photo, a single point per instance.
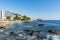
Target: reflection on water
pixel 31 31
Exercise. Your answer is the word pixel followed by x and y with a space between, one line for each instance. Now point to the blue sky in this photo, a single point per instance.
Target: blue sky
pixel 44 9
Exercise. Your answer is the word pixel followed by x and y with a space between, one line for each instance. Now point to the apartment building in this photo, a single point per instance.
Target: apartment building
pixel 3 14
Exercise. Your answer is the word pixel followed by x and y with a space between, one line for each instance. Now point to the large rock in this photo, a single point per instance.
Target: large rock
pixel 41 24
pixel 2 25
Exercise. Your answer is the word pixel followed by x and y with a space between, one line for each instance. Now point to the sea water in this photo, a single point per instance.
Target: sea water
pixel 20 27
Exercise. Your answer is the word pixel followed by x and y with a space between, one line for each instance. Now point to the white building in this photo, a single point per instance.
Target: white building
pixel 2 15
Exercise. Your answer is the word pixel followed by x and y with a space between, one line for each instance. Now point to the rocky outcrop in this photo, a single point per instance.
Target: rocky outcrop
pixel 5 24
pixel 41 24
pixel 52 31
pixel 2 25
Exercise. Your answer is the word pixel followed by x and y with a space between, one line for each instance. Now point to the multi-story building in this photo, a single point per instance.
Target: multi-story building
pixel 3 14
pixel 0 14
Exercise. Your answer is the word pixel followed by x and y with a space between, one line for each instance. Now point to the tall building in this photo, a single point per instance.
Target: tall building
pixel 2 15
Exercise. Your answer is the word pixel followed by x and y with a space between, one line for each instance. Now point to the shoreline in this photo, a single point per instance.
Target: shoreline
pixel 6 24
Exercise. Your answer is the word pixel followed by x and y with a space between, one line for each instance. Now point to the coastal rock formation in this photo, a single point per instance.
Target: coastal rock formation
pixel 52 31
pixel 5 24
pixel 41 24
pixel 2 25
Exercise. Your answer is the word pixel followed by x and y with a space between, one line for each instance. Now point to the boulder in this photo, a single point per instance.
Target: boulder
pixel 41 24
pixel 2 25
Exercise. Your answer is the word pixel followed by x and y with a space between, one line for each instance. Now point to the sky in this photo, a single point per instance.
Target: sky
pixel 44 9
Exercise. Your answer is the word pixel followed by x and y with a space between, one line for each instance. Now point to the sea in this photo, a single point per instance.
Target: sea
pixel 33 25
pixel 49 25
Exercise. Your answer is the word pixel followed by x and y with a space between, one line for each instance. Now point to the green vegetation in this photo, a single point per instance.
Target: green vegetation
pixel 8 18
pixel 17 17
pixel 26 18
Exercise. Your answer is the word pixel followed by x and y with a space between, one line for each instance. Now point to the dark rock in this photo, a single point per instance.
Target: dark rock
pixel 53 31
pixel 13 34
pixel 2 27
pixel 41 24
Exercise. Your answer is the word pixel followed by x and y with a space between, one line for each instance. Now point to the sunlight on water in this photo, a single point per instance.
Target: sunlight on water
pixel 18 32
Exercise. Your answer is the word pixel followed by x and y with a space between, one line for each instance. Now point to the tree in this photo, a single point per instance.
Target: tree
pixel 17 17
pixel 25 18
pixel 8 17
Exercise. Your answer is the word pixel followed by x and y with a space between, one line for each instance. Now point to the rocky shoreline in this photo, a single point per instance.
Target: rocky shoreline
pixel 5 24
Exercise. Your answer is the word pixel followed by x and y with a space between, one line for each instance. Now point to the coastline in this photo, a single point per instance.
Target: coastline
pixel 6 24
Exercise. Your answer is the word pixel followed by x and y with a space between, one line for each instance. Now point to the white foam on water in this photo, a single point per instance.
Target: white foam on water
pixel 1 30
pixel 20 35
pixel 56 37
pixel 53 37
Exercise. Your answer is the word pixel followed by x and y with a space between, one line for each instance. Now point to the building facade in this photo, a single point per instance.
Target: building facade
pixel 0 14
pixel 3 14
